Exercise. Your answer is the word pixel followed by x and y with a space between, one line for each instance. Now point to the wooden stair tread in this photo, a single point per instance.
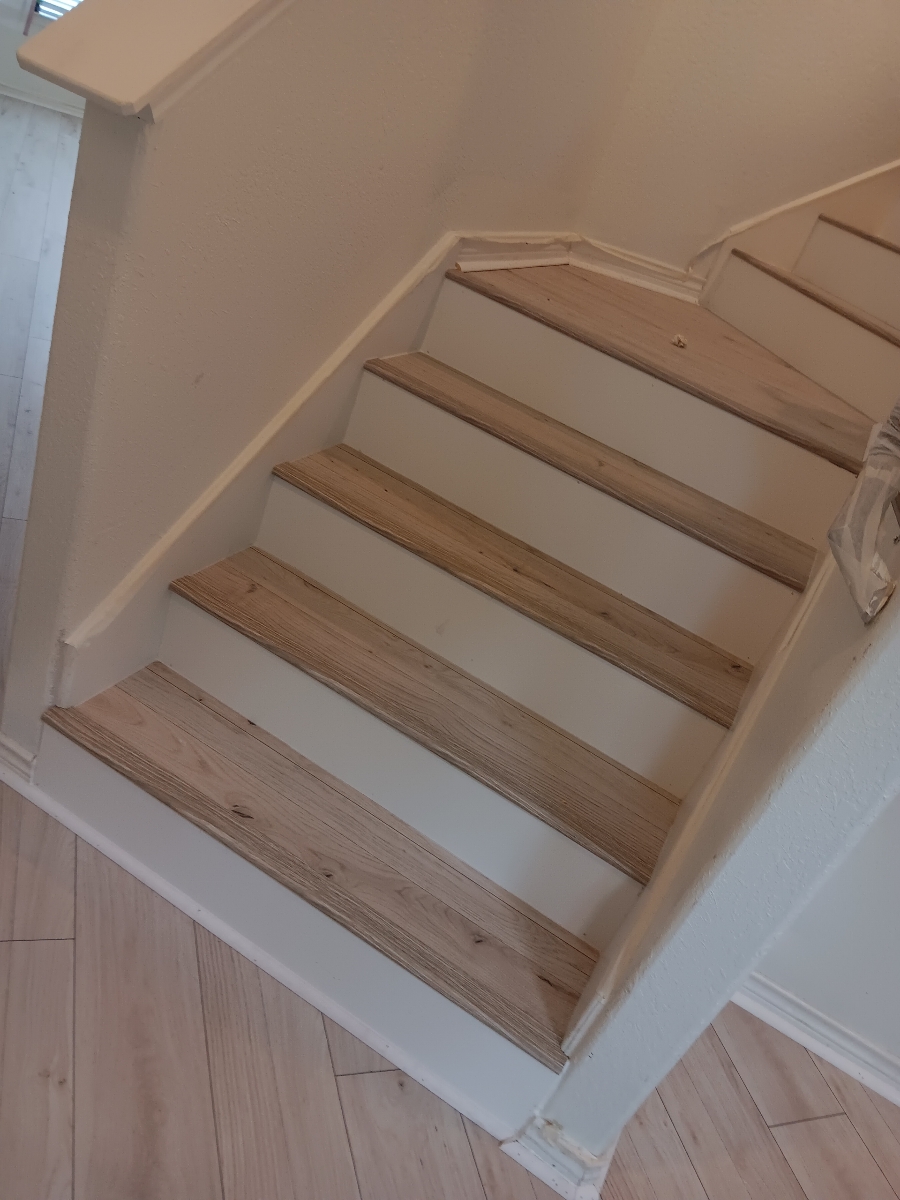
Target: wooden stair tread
pixel 484 949
pixel 750 541
pixel 821 296
pixel 658 651
pixel 719 364
pixel 862 233
pixel 567 784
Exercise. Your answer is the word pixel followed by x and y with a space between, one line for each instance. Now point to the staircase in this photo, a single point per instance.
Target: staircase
pixel 480 651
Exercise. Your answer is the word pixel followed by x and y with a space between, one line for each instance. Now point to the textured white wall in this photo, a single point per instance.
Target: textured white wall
pixel 737 106
pixel 841 955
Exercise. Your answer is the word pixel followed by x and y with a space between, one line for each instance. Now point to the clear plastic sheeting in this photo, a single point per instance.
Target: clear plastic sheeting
pixel 856 537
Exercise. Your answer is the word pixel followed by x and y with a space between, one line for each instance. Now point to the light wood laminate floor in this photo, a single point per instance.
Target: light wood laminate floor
pixel 143 1059
pixel 38 149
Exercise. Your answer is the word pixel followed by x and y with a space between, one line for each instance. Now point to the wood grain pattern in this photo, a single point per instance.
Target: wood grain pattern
pixel 37 872
pixel 406 1142
pixel 564 782
pixel 875 1119
pixel 280 1129
pixel 626 634
pixel 719 364
pixel 779 1073
pixel 506 965
pixel 744 1154
pixel 828 299
pixel 350 1056
pixel 142 1092
pixel 744 538
pixel 36 1070
pixel 650 1162
pixel 831 1161
pixel 501 1176
pixel 861 233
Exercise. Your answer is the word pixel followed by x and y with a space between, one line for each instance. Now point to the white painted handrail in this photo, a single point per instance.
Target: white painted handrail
pixel 137 56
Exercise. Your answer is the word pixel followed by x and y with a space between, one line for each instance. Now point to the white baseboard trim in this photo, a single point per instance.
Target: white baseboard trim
pixel 76 109
pixel 571 1171
pixel 16 761
pixel 843 1048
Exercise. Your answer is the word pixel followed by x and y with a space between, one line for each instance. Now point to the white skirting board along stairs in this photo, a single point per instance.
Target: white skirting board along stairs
pixel 418 750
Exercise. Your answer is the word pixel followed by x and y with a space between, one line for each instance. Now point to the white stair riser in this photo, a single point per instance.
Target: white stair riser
pixel 621 716
pixel 427 1035
pixel 653 564
pixel 859 271
pixel 668 429
pixel 850 361
pixel 567 883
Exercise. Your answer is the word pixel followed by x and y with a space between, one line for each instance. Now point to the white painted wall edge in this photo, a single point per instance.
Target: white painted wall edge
pixel 137 59
pixel 826 1037
pixel 543 1149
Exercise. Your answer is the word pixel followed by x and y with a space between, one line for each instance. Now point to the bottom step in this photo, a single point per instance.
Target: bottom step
pixel 480 947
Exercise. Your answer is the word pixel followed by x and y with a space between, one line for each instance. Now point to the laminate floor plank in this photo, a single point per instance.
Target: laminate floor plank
pixel 37 873
pixel 867 1111
pixel 656 650
pixel 24 451
pixel 349 1055
pixel 12 543
pixel 718 363
pixel 14 116
pixel 501 1176
pixel 831 1161
pixel 18 280
pixel 36 1070
pixel 25 211
pixel 785 1083
pixel 745 1149
pixel 143 1100
pixel 405 1141
pixel 564 782
pixel 47 285
pixel 744 538
pixel 650 1162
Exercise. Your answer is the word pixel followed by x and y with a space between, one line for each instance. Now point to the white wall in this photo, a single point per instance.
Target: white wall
pixel 735 108
pixel 841 955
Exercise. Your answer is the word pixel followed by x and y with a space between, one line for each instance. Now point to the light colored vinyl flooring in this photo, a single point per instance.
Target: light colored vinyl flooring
pixel 143 1059
pixel 38 149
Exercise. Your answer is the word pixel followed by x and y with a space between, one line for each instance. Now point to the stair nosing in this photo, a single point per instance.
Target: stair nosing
pixel 860 233
pixel 172 784
pixel 623 832
pixel 795 575
pixel 691 684
pixel 827 299
pixel 811 442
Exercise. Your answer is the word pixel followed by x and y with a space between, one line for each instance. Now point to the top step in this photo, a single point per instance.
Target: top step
pixel 717 363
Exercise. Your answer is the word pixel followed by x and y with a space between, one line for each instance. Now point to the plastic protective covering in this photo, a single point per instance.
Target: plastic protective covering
pixel 854 536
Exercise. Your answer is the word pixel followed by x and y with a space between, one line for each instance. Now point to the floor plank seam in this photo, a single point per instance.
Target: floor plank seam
pixel 805 1120
pixel 215 1116
pixel 684 1146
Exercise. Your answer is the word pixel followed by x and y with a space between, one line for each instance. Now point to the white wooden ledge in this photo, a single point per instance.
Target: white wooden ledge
pixel 137 56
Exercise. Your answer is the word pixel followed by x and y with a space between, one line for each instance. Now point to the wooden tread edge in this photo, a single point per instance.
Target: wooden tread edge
pixel 579 608
pixel 860 233
pixel 482 948
pixel 562 781
pixel 744 538
pixel 843 446
pixel 826 299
